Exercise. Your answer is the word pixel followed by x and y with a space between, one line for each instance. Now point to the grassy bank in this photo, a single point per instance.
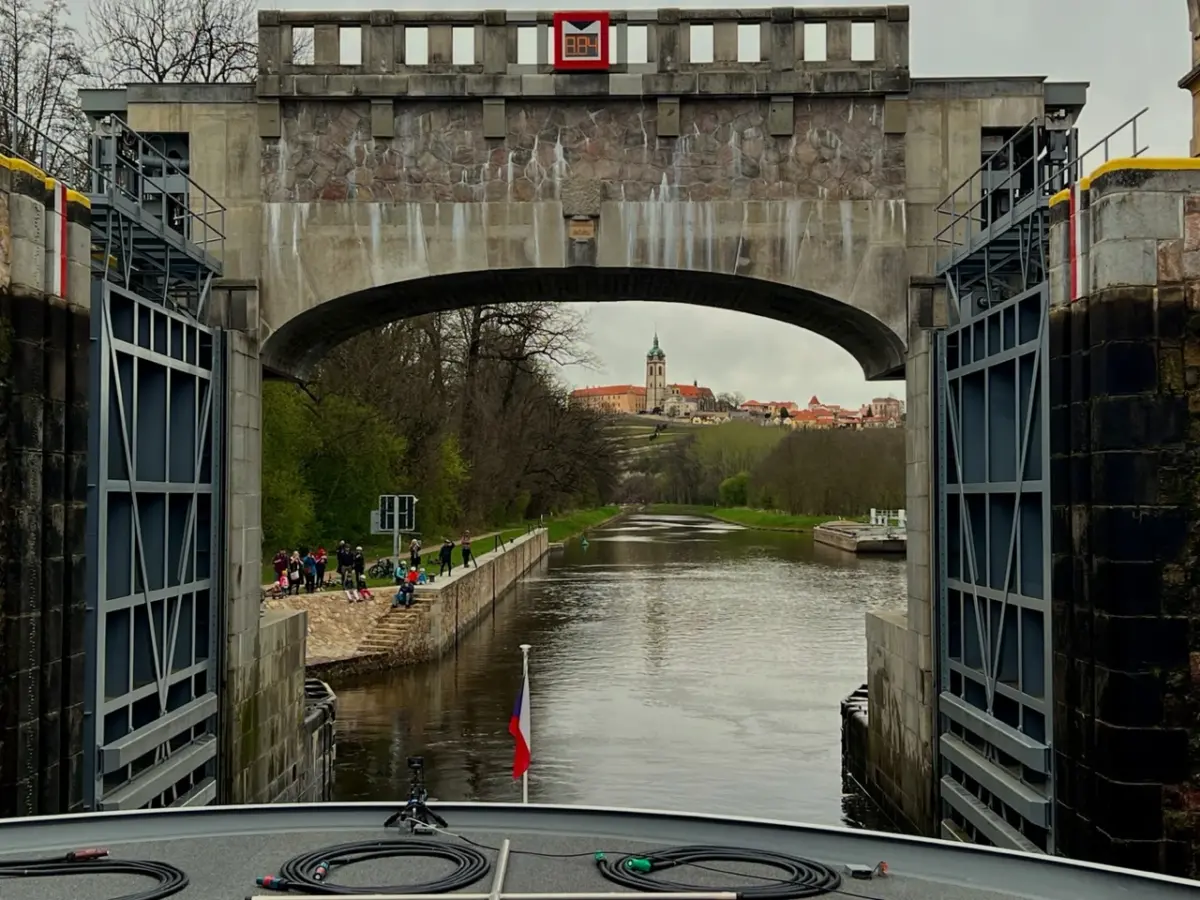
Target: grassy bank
pixel 565 527
pixel 764 519
pixel 560 528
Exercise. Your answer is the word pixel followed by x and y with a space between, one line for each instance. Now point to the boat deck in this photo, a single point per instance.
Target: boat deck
pixel 551 850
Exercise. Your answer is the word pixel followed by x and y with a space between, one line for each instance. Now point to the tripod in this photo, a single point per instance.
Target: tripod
pixel 415 813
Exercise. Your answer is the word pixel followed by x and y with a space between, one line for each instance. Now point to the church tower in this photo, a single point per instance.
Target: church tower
pixel 656 377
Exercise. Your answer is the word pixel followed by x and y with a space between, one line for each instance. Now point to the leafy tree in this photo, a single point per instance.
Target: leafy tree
pixel 735 490
pixel 288 442
pixel 829 472
pixel 461 409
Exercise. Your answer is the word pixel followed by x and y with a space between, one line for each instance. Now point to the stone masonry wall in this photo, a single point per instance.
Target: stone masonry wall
pixel 269 731
pixel 1125 431
pixel 460 603
pixel 445 611
pixel 44 380
pixel 839 151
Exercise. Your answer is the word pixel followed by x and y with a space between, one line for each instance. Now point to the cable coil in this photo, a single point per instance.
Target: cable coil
pixel 308 872
pixel 96 862
pixel 803 877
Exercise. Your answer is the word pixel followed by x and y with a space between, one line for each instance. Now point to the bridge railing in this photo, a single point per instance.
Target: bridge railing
pixel 387 42
pixel 1024 170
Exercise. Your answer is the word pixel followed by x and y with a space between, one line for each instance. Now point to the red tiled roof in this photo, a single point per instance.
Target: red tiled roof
pixel 691 390
pixel 611 390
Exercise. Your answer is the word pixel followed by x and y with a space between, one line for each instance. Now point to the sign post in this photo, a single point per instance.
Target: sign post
pixel 397 515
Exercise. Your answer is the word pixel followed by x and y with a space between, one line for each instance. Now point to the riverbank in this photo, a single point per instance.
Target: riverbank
pixel 559 528
pixel 571 525
pixel 346 638
pixel 761 519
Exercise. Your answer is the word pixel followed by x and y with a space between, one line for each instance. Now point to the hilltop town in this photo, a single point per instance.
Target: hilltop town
pixel 701 406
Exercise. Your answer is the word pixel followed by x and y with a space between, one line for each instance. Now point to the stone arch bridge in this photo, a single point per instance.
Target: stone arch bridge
pixel 446 159
pixel 783 162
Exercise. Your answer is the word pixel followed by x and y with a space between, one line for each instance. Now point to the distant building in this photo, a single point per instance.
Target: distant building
pixel 882 412
pixel 688 399
pixel 627 399
pixel 684 400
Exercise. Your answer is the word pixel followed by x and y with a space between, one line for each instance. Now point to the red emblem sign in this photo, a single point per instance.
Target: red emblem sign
pixel 581 41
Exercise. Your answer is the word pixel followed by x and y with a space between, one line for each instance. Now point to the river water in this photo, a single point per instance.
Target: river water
pixel 677 663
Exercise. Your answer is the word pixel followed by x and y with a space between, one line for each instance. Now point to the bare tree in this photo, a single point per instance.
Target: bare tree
pixel 41 68
pixel 160 41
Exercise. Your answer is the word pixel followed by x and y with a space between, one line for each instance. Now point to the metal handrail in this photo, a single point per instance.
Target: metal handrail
pixel 128 179
pixel 71 158
pixel 972 222
pixel 91 178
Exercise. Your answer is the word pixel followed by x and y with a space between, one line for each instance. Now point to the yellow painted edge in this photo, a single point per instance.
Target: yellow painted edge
pixel 17 164
pixel 1061 197
pixel 1156 164
pixel 72 196
pixel 76 197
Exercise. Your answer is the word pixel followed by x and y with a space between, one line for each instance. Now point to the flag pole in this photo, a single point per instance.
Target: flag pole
pixel 525 648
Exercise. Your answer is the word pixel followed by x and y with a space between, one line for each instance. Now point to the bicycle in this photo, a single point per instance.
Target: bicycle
pixel 383 568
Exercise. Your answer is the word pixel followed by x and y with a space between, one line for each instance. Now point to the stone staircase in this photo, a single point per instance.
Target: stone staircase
pixel 392 629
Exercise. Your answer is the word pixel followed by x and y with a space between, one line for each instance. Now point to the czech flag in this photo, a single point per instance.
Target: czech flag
pixel 518 727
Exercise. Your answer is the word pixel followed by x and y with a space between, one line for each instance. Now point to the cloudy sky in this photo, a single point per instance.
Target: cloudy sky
pixel 1133 54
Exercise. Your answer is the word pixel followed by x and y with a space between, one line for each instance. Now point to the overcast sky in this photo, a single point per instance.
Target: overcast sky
pixel 1133 54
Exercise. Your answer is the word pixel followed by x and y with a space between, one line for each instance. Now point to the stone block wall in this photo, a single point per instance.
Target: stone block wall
pixel 1125 477
pixel 455 606
pixel 45 298
pixel 268 731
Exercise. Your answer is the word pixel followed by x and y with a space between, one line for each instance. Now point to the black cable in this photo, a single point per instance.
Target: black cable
pixel 591 854
pixel 96 862
pixel 804 877
pixel 308 873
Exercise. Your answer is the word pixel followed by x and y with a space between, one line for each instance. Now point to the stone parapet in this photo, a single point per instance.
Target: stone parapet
pixel 361 52
pixel 1125 424
pixel 44 374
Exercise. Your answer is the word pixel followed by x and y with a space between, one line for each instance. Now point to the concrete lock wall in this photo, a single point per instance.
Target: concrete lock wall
pixel 1125 481
pixel 45 298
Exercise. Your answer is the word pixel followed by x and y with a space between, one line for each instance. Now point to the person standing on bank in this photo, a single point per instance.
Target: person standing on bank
pixel 322 559
pixel 447 563
pixel 414 553
pixel 465 543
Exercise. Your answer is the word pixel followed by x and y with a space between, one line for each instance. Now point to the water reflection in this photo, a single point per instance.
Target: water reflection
pixel 676 663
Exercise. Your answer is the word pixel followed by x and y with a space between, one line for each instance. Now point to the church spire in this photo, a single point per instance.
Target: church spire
pixel 655 351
